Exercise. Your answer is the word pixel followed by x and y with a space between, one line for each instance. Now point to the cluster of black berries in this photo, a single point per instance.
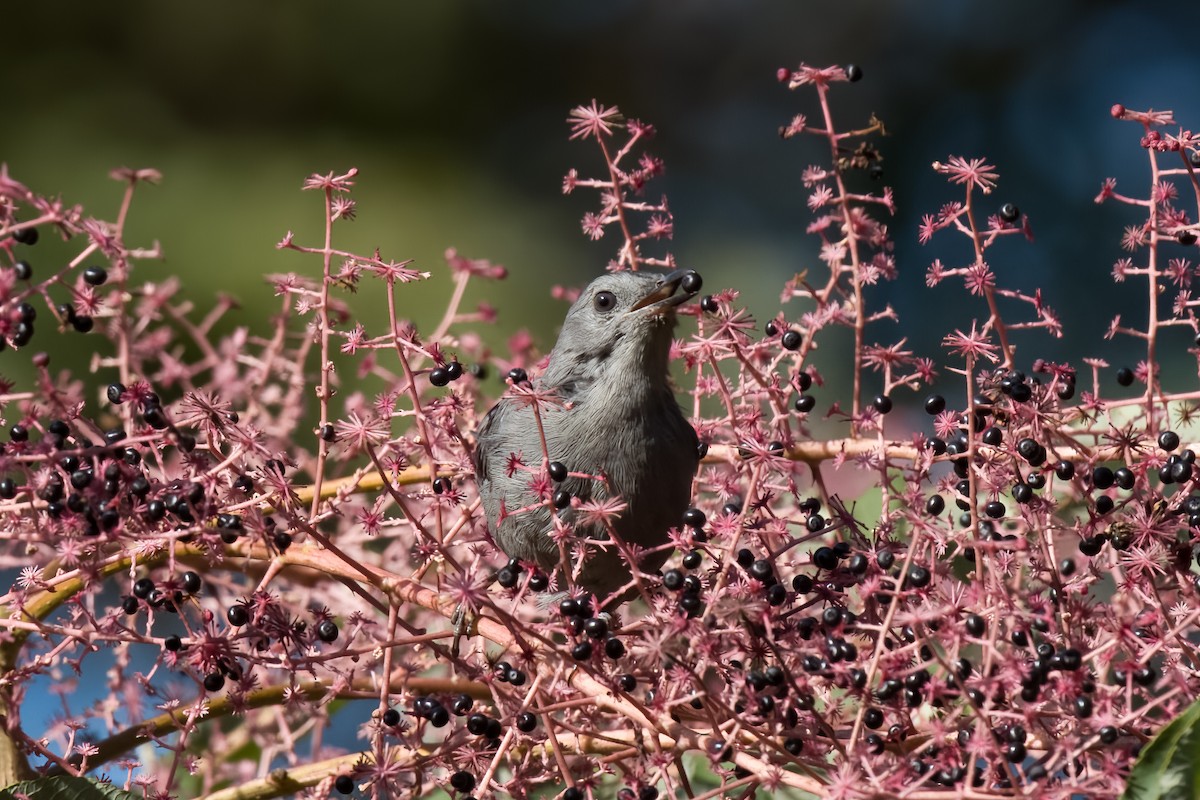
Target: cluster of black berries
pixel 508 576
pixel 1013 384
pixel 445 374
pixel 790 339
pixel 835 621
pixel 689 587
pixel 104 480
pixel 154 415
pixel 1178 467
pixel 165 597
pixel 586 629
pixel 763 571
pixel 1049 659
pixel 170 597
pixel 489 728
pixel 19 327
pixel 804 402
pixel 184 501
pixel 326 630
pixel 828 557
pixel 507 673
pixel 431 708
pixel 558 473
pixel 763 689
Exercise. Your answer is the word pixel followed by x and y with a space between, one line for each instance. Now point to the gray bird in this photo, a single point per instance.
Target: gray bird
pixel 618 418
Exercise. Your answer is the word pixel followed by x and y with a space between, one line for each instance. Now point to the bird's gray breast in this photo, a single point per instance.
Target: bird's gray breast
pixel 642 445
pixel 647 452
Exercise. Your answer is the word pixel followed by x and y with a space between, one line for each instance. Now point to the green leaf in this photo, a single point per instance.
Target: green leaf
pixel 65 787
pixel 1169 767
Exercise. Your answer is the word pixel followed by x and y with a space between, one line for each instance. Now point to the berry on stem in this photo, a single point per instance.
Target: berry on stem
pixel 327 631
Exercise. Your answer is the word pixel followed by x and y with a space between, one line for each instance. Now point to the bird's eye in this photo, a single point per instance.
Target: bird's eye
pixel 605 301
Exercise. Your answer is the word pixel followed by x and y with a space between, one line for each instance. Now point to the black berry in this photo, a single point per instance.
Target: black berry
pixel 192 583
pixel 506 577
pixel 27 236
pixel 327 631
pixel 462 781
pixel 918 576
pixel 1103 477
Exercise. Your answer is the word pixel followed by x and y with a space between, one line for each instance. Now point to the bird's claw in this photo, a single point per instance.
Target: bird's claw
pixel 463 623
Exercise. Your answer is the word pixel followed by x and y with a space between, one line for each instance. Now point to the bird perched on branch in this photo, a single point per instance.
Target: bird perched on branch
pixel 614 430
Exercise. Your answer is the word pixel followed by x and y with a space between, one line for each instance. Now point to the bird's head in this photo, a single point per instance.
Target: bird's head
pixel 620 328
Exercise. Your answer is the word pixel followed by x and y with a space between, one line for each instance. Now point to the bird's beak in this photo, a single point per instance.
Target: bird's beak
pixel 674 289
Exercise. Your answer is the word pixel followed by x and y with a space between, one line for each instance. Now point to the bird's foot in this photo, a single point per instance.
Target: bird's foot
pixel 463 623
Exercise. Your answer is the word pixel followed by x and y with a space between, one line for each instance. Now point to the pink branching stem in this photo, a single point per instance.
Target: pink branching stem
pixel 995 321
pixel 415 398
pixel 629 253
pixel 326 331
pixel 851 240
pixel 1153 289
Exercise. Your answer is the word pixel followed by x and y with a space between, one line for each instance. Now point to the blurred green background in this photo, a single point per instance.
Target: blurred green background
pixel 454 113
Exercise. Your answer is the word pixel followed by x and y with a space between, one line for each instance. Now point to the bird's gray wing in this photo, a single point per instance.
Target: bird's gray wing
pixel 485 437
